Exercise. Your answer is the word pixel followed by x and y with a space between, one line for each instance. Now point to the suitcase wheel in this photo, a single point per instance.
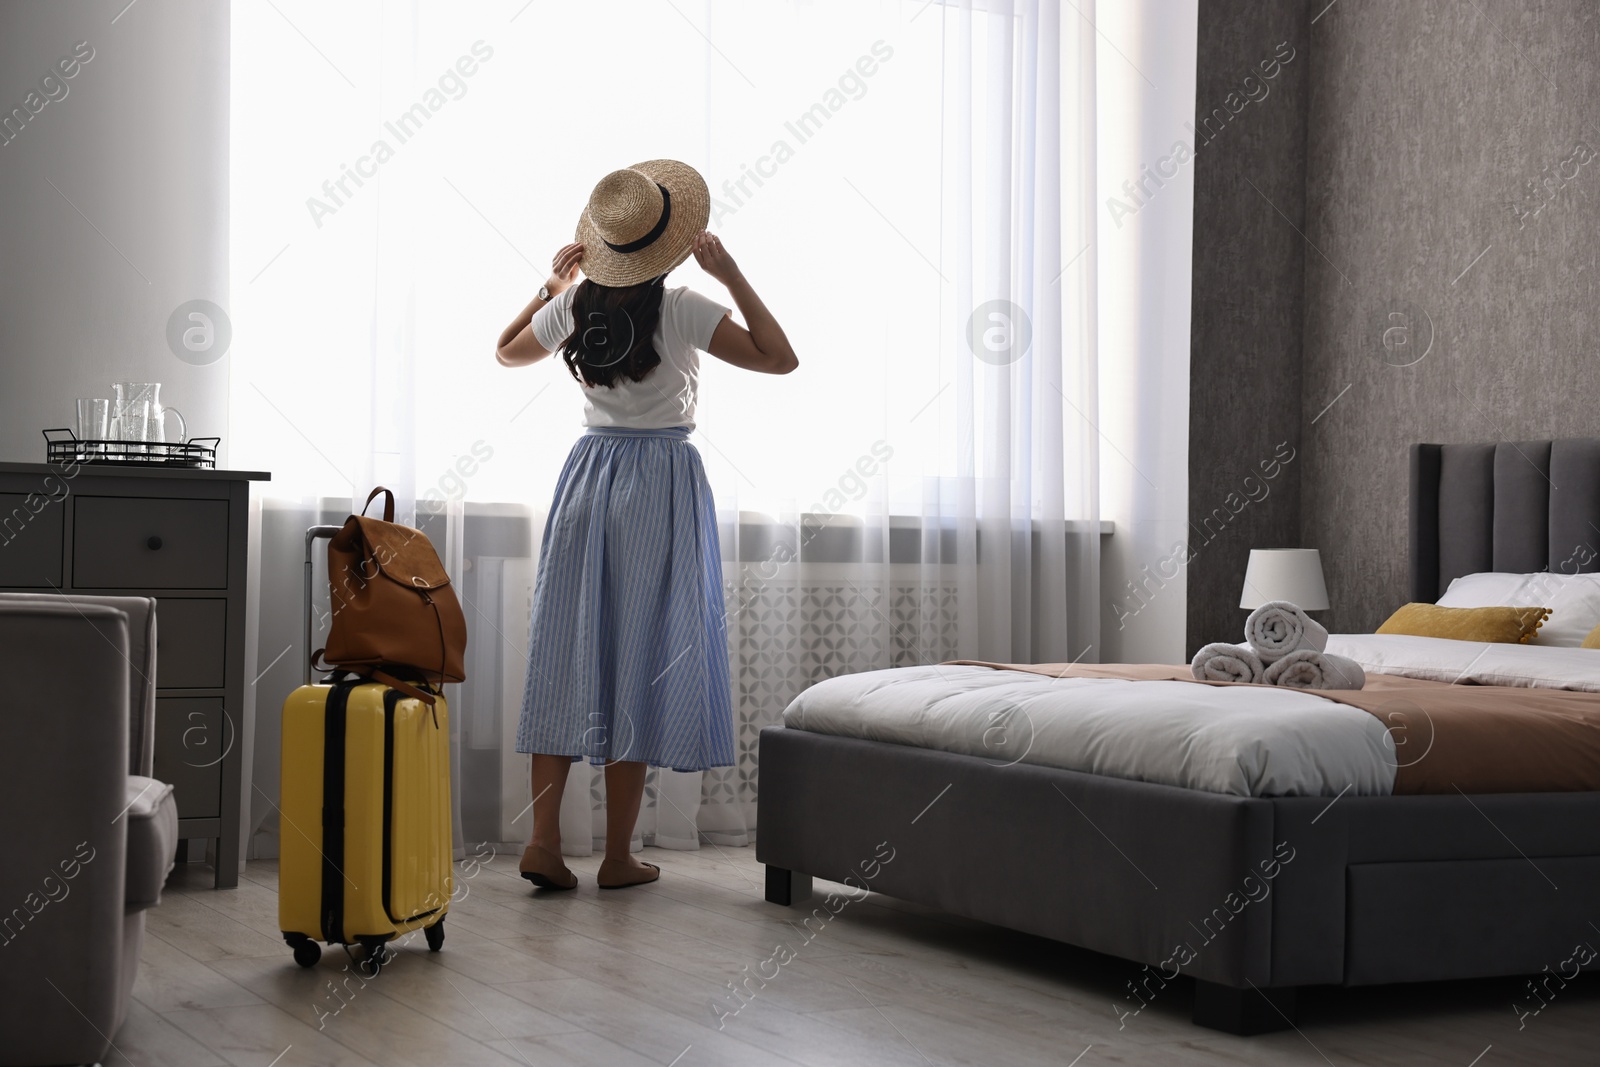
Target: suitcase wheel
pixel 377 955
pixel 435 936
pixel 306 951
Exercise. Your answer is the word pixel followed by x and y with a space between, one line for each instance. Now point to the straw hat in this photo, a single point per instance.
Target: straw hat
pixel 641 222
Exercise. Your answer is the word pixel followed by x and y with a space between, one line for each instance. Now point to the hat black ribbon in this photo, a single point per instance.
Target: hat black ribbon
pixel 659 228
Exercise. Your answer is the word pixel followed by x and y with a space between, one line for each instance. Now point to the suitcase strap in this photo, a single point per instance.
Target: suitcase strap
pixel 335 715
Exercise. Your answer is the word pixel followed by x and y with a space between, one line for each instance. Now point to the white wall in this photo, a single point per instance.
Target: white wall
pixel 139 145
pixel 1144 325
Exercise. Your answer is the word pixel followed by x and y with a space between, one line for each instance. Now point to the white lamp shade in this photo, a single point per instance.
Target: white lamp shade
pixel 1292 574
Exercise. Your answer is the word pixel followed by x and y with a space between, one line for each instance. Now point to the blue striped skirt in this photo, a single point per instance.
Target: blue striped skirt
pixel 628 652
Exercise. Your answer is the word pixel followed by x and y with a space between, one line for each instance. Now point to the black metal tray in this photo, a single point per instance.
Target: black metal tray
pixel 197 453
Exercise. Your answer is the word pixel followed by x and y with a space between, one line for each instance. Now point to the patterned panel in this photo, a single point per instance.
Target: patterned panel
pixel 789 635
pixel 924 624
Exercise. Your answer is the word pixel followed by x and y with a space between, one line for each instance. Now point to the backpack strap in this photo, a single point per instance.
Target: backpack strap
pixel 424 695
pixel 388 503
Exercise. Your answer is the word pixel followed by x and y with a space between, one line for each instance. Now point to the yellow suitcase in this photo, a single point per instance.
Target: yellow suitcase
pixel 365 838
pixel 365 846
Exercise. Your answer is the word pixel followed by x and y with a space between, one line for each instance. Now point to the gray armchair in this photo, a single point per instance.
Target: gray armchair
pixel 89 836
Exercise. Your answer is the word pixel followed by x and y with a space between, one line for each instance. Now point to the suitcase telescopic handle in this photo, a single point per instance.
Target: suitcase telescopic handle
pixel 312 535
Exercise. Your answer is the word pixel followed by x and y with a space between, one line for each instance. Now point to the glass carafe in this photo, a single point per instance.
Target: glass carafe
pixel 137 414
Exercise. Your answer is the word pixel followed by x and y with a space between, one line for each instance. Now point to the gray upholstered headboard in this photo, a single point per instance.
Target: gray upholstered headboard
pixel 1518 506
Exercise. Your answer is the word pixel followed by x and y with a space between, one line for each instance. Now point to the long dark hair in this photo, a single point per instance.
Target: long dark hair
pixel 611 331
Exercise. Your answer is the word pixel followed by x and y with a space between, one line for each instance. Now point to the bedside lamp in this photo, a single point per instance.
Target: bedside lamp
pixel 1292 574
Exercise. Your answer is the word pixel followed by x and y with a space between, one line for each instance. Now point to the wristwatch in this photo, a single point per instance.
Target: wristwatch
pixel 545 294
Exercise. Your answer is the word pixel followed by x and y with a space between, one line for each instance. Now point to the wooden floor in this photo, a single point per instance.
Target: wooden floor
pixel 631 977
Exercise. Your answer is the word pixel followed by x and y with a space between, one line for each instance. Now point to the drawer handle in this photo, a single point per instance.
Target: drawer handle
pixel 154 543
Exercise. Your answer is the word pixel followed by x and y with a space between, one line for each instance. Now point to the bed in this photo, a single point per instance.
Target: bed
pixel 1285 860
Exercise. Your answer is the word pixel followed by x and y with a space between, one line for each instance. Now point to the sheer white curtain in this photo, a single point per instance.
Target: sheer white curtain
pixel 1019 163
pixel 909 185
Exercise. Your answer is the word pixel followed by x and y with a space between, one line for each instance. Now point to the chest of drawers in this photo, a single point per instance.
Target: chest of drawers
pixel 180 536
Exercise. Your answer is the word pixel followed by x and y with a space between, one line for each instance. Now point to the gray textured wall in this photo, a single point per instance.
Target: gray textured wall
pixel 116 208
pixel 1247 312
pixel 1427 123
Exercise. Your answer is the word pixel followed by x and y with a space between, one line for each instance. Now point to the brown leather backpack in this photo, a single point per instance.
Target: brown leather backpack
pixel 396 619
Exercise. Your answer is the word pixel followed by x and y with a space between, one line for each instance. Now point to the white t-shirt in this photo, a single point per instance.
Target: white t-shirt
pixel 667 395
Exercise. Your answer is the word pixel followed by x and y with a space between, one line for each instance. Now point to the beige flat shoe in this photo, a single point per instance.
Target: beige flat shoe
pixel 630 875
pixel 544 869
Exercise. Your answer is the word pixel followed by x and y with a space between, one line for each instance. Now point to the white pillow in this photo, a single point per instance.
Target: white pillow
pixel 1574 603
pixel 1573 600
pixel 1490 589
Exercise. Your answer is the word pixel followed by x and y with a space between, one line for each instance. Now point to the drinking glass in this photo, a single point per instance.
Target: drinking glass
pixel 93 418
pixel 93 415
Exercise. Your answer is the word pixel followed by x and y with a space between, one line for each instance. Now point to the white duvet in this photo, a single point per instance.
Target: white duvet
pixel 1240 740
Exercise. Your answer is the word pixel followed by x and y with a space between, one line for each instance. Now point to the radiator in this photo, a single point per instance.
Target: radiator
pixel 812 623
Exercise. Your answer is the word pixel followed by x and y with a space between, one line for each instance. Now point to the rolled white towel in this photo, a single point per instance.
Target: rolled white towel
pixel 1278 628
pixel 1219 662
pixel 1307 668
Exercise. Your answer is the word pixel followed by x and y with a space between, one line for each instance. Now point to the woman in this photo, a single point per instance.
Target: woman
pixel 627 657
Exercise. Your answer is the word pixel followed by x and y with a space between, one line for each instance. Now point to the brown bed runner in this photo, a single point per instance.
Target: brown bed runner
pixel 1472 738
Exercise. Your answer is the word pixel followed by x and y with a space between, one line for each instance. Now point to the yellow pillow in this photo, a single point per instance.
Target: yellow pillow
pixel 1505 625
pixel 1593 640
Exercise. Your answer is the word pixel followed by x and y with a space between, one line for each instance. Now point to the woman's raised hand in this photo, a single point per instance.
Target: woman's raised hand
pixel 714 259
pixel 564 268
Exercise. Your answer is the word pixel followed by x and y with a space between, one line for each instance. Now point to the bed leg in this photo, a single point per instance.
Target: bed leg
pixel 1242 1011
pixel 787 887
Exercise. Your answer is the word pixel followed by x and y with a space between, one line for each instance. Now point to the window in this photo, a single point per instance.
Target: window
pixel 401 180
